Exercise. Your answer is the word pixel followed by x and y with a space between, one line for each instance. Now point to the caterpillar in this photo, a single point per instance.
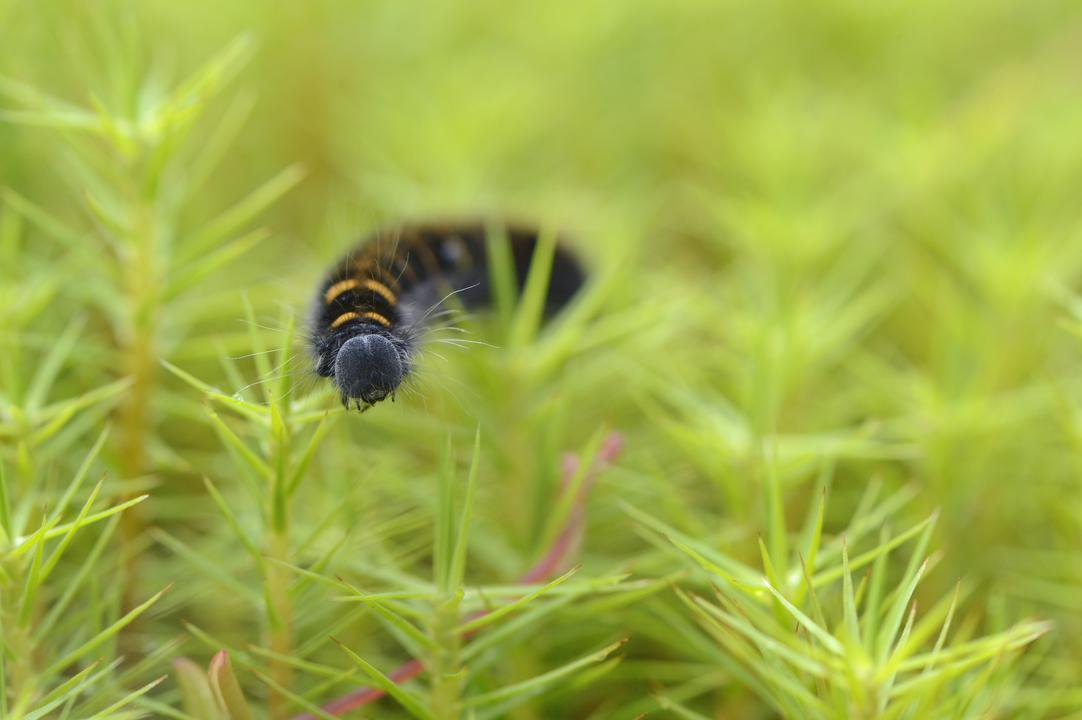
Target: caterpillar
pixel 375 303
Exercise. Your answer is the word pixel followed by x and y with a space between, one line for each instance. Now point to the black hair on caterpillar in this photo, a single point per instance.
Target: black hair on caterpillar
pixel 376 302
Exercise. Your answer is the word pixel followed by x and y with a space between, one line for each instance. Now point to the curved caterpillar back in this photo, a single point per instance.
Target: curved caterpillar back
pixel 374 304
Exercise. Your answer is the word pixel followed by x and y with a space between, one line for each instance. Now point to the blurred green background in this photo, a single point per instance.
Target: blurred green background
pixel 832 244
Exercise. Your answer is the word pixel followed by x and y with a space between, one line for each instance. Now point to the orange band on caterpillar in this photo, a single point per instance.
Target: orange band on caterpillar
pixel 380 289
pixel 369 315
pixel 338 288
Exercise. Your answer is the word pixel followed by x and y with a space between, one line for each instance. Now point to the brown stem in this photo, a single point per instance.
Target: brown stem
pixel 138 348
pixel 137 342
pixel 134 421
pixel 280 627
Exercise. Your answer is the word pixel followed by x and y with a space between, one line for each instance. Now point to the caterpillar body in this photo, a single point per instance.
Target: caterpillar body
pixel 375 303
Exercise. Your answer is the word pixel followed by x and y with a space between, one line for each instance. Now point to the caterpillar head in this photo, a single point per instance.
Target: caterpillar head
pixel 367 369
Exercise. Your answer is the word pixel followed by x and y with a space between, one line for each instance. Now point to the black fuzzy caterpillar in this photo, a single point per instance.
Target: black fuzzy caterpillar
pixel 375 303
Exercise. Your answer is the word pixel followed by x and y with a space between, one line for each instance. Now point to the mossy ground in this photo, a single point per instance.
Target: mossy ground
pixel 833 318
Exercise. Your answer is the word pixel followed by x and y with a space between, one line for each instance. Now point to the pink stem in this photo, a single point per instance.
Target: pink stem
pixel 551 562
pixel 363 696
pixel 548 565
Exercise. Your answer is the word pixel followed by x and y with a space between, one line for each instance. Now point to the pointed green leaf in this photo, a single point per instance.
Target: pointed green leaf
pixel 311 707
pixel 526 689
pixel 199 269
pixel 47 370
pixel 403 697
pixel 234 524
pixel 80 475
pixel 458 559
pixel 501 274
pixel 893 620
pixel 531 305
pixel 110 712
pixel 249 410
pixel 239 447
pixel 105 634
pixel 243 212
pixel 66 538
pixel 849 602
pixel 480 622
pixel 817 632
pixel 5 507
pixel 300 465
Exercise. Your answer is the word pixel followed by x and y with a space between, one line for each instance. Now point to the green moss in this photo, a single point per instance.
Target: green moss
pixel 834 252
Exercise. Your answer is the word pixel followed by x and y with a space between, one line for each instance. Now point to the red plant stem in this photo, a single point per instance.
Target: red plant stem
pixel 546 567
pixel 363 696
pixel 557 555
